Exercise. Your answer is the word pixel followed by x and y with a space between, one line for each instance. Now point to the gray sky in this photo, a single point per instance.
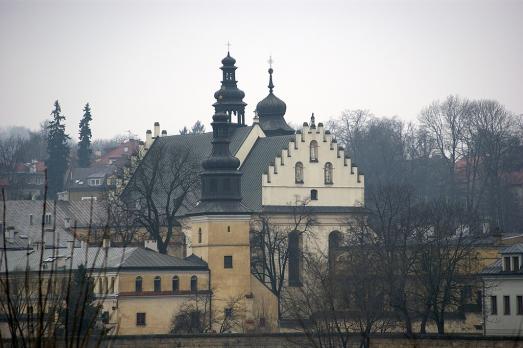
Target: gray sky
pixel 138 62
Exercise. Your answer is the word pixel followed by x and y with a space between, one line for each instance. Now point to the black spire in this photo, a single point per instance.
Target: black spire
pixel 220 178
pixel 271 111
pixel 229 97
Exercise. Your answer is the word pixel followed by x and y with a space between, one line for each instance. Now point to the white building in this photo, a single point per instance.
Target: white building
pixel 503 289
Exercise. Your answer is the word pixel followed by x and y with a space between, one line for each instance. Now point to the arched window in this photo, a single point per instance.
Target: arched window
pixel 194 283
pixel 328 173
pixel 294 259
pixel 314 151
pixel 157 284
pixel 138 284
pixel 176 283
pixel 314 195
pixel 298 173
pixel 199 235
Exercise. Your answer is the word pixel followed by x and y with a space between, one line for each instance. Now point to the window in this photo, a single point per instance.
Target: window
pixel 506 305
pixel 298 173
pixel 515 263
pixel 314 151
pixel 228 228
pixel 262 322
pixel 227 262
pixel 140 319
pixel 194 283
pixel 506 264
pixel 328 173
pixel 314 195
pixel 138 284
pixel 157 284
pixel 30 219
pixel 105 317
pixel 520 305
pixel 493 305
pixel 176 283
pixel 47 219
pixel 228 313
pixel 199 235
pixel 294 259
pixel 112 285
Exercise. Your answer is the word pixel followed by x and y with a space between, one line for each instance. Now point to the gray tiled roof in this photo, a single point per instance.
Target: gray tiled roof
pixel 18 216
pixel 256 164
pixel 117 258
pixel 78 177
pixel 513 249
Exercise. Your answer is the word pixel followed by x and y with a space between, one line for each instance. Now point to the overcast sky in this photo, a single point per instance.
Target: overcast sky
pixel 137 62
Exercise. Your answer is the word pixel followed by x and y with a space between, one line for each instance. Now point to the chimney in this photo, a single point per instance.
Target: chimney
pixel 49 237
pixel 164 133
pixel 106 243
pixel 70 247
pixel 10 232
pixel 148 139
pixel 156 129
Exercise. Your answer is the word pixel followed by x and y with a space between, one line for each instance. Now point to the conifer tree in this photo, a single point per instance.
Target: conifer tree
pixel 198 128
pixel 58 151
pixel 84 145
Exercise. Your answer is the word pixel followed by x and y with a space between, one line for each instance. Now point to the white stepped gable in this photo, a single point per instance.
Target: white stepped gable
pixel 279 184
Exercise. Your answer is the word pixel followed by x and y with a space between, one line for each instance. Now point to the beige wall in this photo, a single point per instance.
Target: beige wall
pixel 280 188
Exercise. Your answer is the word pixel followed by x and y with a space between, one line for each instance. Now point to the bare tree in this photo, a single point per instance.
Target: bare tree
pixel 444 249
pixel 270 245
pixel 159 187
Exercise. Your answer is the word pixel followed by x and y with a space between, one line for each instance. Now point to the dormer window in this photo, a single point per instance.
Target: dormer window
pixel 95 182
pixel 515 263
pixel 506 263
pixel 47 219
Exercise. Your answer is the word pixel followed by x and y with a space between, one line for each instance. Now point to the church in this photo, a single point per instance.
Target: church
pixel 268 168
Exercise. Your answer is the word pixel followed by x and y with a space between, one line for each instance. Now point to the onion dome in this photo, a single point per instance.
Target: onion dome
pixel 228 61
pixel 271 111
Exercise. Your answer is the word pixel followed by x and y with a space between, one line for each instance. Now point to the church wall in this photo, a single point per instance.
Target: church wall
pixel 280 186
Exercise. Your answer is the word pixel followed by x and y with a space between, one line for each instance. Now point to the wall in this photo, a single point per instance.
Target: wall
pixel 502 324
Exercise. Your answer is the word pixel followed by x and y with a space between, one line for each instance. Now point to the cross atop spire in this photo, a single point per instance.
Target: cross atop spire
pixel 270 61
pixel 228 44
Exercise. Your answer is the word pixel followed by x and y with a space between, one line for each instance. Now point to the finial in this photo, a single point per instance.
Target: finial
pixel 313 125
pixel 256 119
pixel 228 44
pixel 271 85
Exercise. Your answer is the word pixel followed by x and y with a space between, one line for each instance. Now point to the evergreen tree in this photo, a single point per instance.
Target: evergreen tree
pixel 184 131
pixel 80 311
pixel 84 145
pixel 198 128
pixel 58 151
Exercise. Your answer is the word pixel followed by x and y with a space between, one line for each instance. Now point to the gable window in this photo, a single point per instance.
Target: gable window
pixel 194 283
pixel 298 173
pixel 328 173
pixel 294 259
pixel 314 195
pixel 176 283
pixel 157 284
pixel 314 151
pixel 138 284
pixel 506 305
pixel 493 305
pixel 227 262
pixel 140 319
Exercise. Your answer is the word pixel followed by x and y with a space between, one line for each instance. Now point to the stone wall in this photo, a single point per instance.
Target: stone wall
pixel 299 340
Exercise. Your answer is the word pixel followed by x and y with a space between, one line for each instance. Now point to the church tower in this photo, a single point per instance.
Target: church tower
pixel 220 224
pixel 229 98
pixel 271 111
